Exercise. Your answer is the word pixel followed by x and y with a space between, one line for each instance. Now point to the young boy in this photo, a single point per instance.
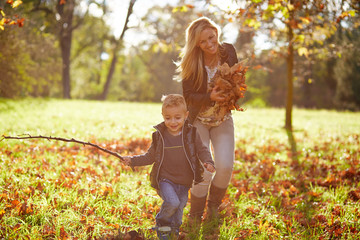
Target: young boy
pixel 176 151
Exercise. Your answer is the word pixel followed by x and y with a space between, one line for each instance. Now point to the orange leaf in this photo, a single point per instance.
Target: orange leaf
pixel 25 209
pixel 2 212
pixel 3 196
pixel 63 234
pixel 14 203
pixel 313 194
pixel 257 67
pixel 20 22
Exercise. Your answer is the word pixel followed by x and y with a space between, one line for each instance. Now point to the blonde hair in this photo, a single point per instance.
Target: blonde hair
pixel 173 100
pixel 191 64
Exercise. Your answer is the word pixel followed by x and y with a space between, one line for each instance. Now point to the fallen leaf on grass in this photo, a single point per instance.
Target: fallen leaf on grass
pixel 314 194
pixel 252 211
pixel 243 234
pixel 354 195
pixel 26 209
pixel 63 234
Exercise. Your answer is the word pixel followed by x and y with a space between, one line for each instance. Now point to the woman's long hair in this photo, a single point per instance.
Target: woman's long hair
pixel 191 64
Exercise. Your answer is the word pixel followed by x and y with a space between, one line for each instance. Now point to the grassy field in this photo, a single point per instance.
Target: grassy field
pixel 57 190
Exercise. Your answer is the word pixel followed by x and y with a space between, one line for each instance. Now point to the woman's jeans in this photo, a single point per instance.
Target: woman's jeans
pixel 223 143
pixel 175 197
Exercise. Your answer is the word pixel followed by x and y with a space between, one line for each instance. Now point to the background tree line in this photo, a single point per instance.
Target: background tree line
pixel 65 51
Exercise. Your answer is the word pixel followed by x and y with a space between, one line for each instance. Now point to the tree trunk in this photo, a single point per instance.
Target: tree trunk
pixel 115 52
pixel 290 85
pixel 110 74
pixel 65 43
pixel 290 89
pixel 66 12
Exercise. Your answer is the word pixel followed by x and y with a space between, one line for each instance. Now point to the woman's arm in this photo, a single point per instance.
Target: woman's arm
pixel 232 57
pixel 195 98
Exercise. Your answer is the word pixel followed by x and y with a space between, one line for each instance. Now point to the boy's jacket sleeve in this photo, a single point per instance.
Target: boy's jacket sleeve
pixel 202 151
pixel 146 158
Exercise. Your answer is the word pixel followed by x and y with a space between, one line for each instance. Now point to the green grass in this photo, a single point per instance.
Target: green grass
pixel 57 190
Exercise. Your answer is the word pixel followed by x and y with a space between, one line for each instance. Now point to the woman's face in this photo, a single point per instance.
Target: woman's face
pixel 208 41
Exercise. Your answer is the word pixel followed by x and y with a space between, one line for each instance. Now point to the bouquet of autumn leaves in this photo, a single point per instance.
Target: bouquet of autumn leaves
pixel 231 83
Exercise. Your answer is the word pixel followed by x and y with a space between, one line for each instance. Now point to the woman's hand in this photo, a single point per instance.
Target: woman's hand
pixel 216 95
pixel 209 167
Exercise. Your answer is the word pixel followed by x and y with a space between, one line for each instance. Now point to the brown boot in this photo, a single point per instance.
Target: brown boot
pixel 215 198
pixel 197 206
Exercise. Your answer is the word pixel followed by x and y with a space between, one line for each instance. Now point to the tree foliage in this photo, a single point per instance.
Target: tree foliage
pixel 300 27
pixel 7 16
pixel 90 46
pixel 347 72
pixel 324 73
pixel 29 63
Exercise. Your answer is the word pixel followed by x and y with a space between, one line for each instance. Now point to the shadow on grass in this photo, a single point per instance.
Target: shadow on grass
pixel 207 229
pixel 292 143
pixel 131 235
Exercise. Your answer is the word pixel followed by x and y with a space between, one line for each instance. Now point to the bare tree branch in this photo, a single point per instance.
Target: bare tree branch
pixel 37 7
pixel 81 20
pixel 65 140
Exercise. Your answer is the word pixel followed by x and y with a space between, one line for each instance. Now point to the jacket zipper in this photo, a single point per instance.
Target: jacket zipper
pixel 162 156
pixel 183 142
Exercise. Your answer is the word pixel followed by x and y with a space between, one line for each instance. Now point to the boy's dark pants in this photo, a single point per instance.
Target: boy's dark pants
pixel 175 197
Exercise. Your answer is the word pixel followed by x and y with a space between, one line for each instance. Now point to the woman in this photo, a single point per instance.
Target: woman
pixel 200 57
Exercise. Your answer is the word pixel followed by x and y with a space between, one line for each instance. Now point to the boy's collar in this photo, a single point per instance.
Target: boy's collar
pixel 180 132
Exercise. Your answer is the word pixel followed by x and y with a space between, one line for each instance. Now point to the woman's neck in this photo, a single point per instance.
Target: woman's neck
pixel 211 60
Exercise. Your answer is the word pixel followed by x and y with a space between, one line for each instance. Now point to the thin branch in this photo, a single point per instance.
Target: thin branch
pixel 81 49
pixel 81 20
pixel 129 12
pixel 42 9
pixel 65 140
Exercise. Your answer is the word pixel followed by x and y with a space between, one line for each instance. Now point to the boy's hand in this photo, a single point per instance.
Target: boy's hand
pixel 209 167
pixel 126 161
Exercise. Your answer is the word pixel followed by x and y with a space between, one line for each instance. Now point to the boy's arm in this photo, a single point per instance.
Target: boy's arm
pixel 144 159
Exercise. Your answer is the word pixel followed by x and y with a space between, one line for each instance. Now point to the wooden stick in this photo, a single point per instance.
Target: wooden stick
pixel 65 140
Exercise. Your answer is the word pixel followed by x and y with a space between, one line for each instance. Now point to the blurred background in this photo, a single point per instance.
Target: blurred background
pixel 124 50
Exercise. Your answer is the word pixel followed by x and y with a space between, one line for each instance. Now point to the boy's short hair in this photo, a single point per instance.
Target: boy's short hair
pixel 173 100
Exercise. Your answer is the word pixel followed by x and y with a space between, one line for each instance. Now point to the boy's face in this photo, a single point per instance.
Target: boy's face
pixel 174 118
